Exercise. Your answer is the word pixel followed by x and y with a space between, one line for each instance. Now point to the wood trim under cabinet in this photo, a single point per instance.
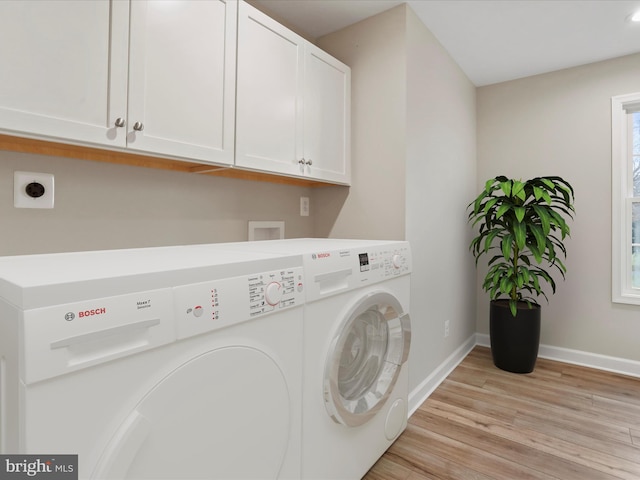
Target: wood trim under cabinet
pixel 42 147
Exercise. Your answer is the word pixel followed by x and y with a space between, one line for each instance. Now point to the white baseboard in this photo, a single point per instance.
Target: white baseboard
pixel 426 388
pixel 578 357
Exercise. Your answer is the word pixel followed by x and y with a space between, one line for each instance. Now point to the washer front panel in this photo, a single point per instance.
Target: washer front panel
pixel 364 361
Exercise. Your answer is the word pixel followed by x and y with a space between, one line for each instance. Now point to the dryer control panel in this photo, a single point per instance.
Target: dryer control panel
pixel 207 306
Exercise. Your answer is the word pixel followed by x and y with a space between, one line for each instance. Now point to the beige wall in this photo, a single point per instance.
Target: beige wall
pixel 560 124
pixel 413 117
pixel 103 206
pixel 373 207
pixel 441 171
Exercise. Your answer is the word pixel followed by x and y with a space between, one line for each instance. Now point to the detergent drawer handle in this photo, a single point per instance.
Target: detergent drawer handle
pixel 333 276
pixel 333 282
pixel 102 334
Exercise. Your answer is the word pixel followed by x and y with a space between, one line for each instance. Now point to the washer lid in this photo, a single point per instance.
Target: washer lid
pixel 225 414
pixel 365 358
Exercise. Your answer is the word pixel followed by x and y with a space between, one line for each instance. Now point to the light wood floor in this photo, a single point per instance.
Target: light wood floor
pixel 560 422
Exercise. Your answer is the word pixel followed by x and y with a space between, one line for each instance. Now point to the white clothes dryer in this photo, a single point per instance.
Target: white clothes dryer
pixel 160 363
pixel 357 335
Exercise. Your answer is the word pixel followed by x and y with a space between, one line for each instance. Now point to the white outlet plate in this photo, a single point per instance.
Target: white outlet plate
pixel 20 197
pixel 304 206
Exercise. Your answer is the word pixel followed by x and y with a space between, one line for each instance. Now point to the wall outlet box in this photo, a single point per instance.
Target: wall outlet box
pixel 33 190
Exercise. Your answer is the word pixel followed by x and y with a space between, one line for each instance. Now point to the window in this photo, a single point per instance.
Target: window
pixel 625 127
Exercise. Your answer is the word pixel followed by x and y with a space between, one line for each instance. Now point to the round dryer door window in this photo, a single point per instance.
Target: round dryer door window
pixel 365 358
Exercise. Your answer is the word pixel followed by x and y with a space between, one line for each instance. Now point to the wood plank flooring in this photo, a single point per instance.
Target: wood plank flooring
pixel 560 422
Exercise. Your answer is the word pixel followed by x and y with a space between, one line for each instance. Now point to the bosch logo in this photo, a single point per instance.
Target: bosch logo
pixel 69 316
pixel 92 312
pixel 320 255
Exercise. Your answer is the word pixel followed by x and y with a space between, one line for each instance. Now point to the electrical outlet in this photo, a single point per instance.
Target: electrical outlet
pixel 33 190
pixel 304 206
pixel 446 328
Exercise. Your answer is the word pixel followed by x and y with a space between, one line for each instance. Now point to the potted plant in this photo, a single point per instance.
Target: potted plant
pixel 522 226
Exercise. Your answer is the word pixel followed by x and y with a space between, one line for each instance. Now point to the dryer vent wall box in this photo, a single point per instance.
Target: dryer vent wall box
pixel 266 231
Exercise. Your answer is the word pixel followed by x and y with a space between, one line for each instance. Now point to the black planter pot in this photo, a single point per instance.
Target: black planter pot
pixel 514 340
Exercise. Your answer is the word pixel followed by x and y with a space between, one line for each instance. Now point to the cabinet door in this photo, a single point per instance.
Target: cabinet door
pixel 270 88
pixel 327 117
pixel 56 78
pixel 182 78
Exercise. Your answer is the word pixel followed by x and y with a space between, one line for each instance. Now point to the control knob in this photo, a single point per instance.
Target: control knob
pixel 273 293
pixel 397 260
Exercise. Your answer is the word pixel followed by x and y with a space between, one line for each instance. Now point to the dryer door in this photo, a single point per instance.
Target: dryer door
pixel 365 358
pixel 209 418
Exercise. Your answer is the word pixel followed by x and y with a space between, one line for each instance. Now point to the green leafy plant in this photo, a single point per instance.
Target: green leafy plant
pixel 522 224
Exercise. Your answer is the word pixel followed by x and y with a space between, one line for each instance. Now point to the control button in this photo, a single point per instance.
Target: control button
pixel 300 286
pixel 396 260
pixel 198 311
pixel 273 293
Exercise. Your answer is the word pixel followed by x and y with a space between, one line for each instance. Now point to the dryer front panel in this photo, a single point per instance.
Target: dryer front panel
pixel 365 357
pixel 205 419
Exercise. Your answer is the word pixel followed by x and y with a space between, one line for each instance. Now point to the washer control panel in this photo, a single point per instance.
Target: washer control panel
pixel 216 304
pixel 334 271
pixel 385 262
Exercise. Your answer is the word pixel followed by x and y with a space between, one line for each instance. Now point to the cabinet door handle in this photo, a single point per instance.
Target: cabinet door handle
pixel 302 161
pixel 309 162
pixel 119 122
pixel 138 126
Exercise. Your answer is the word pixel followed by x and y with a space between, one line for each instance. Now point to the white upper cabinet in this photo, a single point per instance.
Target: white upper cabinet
pixel 64 69
pixel 327 116
pixel 67 66
pixel 269 116
pixel 160 77
pixel 293 103
pixel 182 79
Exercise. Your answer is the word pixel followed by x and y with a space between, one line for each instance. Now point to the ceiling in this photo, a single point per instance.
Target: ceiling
pixel 492 40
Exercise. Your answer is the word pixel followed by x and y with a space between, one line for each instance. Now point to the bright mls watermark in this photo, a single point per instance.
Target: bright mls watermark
pixel 46 467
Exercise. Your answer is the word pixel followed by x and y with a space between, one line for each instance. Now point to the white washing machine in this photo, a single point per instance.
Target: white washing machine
pixel 160 363
pixel 356 343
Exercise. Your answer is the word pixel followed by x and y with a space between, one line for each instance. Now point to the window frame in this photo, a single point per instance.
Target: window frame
pixel 622 199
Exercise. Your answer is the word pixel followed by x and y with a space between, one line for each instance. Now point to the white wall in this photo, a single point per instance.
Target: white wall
pixel 560 124
pixel 103 206
pixel 414 168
